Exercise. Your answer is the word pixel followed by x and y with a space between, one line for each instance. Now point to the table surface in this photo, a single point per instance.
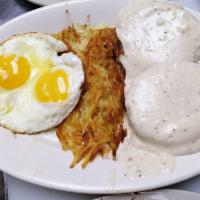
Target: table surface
pixel 19 190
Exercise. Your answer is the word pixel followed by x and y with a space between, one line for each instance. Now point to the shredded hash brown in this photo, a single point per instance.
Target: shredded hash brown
pixel 95 126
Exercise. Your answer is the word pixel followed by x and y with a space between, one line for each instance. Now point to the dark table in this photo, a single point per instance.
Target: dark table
pixel 12 8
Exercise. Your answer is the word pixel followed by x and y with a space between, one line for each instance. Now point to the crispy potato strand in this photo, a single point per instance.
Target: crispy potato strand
pixel 95 127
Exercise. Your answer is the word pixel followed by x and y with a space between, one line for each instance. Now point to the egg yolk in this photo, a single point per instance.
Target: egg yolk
pixel 52 86
pixel 14 72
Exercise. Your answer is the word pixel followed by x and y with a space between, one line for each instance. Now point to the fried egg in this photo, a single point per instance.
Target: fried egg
pixel 40 84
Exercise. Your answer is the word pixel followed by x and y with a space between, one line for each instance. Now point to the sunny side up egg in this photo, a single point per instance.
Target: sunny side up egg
pixel 38 86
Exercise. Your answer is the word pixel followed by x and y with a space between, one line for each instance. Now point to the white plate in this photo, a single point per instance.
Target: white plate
pixel 45 2
pixel 39 159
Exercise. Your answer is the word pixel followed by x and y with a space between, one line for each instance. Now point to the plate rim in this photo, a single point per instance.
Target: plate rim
pixel 50 184
pixel 77 189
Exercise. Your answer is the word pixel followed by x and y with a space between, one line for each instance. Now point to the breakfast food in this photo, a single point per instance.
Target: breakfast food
pixel 39 87
pixel 163 105
pixel 161 43
pixel 95 127
pixel 43 75
pixel 160 86
pixel 154 31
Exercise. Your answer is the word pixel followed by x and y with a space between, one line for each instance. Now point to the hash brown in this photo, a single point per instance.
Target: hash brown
pixel 95 127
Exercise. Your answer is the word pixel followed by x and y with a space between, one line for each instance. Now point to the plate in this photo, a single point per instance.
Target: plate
pixel 45 2
pixel 161 195
pixel 39 159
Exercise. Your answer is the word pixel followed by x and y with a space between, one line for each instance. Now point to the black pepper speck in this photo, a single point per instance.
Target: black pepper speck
pixel 164 91
pixel 130 159
pixel 164 163
pixel 139 175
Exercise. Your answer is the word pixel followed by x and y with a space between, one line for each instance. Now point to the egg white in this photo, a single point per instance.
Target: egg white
pixel 20 110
